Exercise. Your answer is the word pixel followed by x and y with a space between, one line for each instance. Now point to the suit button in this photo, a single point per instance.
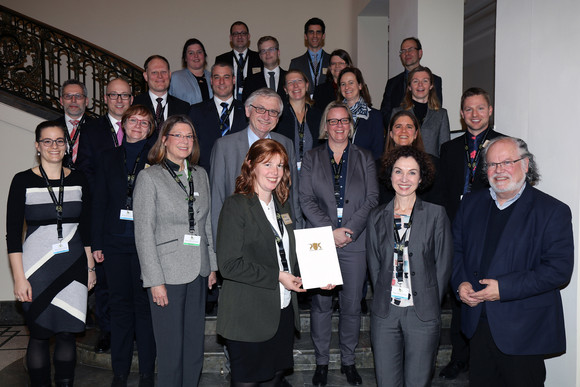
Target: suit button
pixel 346 201
pixel 410 254
pixel 414 293
pixel 412 273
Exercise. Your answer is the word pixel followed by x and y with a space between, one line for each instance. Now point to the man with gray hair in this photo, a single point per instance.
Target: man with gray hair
pixel 514 250
pixel 263 109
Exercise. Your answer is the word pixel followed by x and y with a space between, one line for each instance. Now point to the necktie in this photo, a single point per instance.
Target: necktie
pixel 119 133
pixel 224 119
pixel 240 77
pixel 272 80
pixel 159 112
pixel 75 149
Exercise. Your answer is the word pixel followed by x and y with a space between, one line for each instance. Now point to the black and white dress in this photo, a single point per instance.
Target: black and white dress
pixel 58 281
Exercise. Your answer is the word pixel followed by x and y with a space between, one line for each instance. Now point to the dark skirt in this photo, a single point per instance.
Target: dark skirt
pixel 259 362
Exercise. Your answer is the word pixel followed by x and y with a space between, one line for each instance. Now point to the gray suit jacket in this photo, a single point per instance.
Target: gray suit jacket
pixel 184 86
pixel 430 257
pixel 317 192
pixel 434 131
pixel 227 156
pixel 161 221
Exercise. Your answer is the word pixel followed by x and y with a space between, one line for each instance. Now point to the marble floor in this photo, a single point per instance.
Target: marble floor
pixel 13 341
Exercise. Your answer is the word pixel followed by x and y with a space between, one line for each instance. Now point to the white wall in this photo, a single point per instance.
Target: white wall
pixel 372 48
pixel 536 99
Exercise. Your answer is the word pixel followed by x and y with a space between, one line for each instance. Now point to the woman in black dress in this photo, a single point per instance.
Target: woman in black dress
pixel 53 268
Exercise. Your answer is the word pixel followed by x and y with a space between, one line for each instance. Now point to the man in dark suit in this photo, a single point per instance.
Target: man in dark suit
pixel 245 61
pixel 73 98
pixel 460 172
pixel 272 75
pixel 157 99
pixel 314 63
pixel 410 53
pixel 514 251
pixel 212 119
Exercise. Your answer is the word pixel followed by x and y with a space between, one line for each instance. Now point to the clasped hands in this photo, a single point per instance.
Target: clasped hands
pixel 473 298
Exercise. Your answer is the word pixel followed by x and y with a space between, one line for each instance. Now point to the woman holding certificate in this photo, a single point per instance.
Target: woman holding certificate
pixel 258 311
pixel 174 243
pixel 410 279
pixel 338 188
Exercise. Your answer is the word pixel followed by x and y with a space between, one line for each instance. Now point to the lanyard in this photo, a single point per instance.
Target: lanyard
pixel 401 242
pixel 190 199
pixel 72 141
pixel 316 70
pixel 471 166
pixel 300 130
pixel 241 64
pixel 336 169
pixel 279 239
pixel 58 204
pixel 113 133
pixel 131 179
pixel 225 117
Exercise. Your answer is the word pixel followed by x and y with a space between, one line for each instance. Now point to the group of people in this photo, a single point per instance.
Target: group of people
pixel 210 172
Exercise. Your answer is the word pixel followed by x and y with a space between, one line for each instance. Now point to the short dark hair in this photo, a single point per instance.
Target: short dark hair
pixel 188 43
pixel 223 64
pixel 364 92
pixel 314 22
pixel 414 39
pixel 342 54
pixel 155 57
pixel 265 39
pixel 239 23
pixel 73 82
pixel 47 124
pixel 426 168
pixel 473 91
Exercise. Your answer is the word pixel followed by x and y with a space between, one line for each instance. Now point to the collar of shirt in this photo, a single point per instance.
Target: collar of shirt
pixel 114 121
pixel 315 55
pixel 237 53
pixel 508 202
pixel 344 152
pixel 218 103
pixel 154 99
pixel 252 138
pixel 67 120
pixel 276 71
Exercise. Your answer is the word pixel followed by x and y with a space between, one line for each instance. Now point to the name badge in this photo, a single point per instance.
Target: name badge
pixel 60 247
pixel 126 215
pixel 400 292
pixel 286 218
pixel 191 240
pixel 324 70
pixel 298 165
pixel 339 212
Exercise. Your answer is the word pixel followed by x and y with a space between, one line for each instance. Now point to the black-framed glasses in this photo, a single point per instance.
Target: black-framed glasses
pixel 262 110
pixel 503 164
pixel 124 96
pixel 408 50
pixel 179 136
pixel 335 121
pixel 70 96
pixel 48 142
pixel 236 34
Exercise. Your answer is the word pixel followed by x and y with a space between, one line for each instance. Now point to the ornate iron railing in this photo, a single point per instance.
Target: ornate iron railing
pixel 35 59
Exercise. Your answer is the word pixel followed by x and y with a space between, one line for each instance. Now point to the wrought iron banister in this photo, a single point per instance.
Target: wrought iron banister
pixel 35 59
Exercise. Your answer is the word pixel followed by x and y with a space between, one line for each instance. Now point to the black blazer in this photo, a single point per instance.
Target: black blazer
pixel 453 163
pixel 395 93
pixel 324 94
pixel 257 81
pixel 254 62
pixel 370 134
pixel 206 121
pixel 110 193
pixel 174 105
pixel 301 63
pixel 83 126
pixel 286 124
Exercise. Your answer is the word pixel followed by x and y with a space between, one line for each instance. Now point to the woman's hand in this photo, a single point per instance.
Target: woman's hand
pixel 340 237
pixel 92 281
pixel 211 280
pixel 98 256
pixel 291 282
pixel 22 290
pixel 159 294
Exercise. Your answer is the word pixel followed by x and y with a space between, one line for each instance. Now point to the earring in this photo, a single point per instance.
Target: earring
pixel 38 153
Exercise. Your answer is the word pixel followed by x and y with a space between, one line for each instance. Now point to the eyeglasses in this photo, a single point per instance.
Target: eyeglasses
pixel 503 164
pixel 408 50
pixel 124 96
pixel 337 64
pixel 48 142
pixel 236 34
pixel 261 110
pixel 298 81
pixel 178 136
pixel 68 97
pixel 265 50
pixel 335 121
pixel 143 123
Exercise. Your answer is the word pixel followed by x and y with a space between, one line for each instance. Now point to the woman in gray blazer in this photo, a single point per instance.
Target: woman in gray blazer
pixel 409 253
pixel 258 311
pixel 421 99
pixel 174 243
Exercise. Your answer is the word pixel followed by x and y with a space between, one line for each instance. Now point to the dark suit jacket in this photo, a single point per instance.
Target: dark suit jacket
pixel 370 134
pixel 257 81
pixel 301 63
pixel 247 260
pixel 324 94
pixel 534 258
pixel 174 105
pixel 254 62
pixel 430 253
pixel 286 124
pixel 206 121
pixel 110 193
pixel 96 138
pixel 453 164
pixel 395 92
pixel 317 192
pixel 84 126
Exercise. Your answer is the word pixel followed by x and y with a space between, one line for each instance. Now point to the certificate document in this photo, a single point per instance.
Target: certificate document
pixel 317 257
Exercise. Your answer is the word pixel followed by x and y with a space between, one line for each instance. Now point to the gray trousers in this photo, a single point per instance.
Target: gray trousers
pixel 353 267
pixel 404 348
pixel 179 334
